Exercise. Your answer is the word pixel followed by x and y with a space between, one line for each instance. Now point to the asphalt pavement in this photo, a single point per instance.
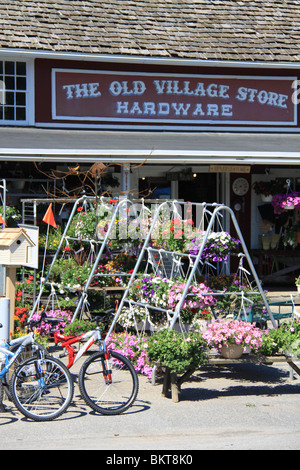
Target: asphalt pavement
pixel 237 407
pixel 240 407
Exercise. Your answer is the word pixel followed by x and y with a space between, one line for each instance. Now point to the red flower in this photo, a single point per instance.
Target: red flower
pixel 67 248
pixel 176 221
pixel 189 221
pixel 80 208
pixel 178 234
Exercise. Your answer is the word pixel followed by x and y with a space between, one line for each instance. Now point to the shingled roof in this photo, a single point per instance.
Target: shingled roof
pixel 252 30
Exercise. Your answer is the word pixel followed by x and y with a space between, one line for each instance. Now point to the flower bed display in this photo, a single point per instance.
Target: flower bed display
pixel 134 348
pixel 165 293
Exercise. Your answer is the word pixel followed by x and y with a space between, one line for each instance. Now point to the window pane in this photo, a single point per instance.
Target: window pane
pixel 21 83
pixel 20 114
pixel 20 99
pixel 21 68
pixel 10 83
pixel 9 68
pixel 10 98
pixel 9 113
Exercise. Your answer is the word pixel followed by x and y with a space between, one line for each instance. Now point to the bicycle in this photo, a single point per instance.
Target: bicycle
pixel 41 387
pixel 107 380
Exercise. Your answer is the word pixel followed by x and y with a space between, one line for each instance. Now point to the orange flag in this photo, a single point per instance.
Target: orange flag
pixel 2 221
pixel 49 217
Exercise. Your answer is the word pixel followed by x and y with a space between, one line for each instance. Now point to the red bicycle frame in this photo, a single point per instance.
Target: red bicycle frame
pixel 67 341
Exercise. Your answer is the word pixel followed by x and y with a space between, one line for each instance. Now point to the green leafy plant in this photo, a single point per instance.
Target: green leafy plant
pixel 171 349
pixel 78 327
pixel 282 340
pixel 268 187
pixel 13 216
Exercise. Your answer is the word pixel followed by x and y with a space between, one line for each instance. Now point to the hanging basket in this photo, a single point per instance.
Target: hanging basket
pixel 232 351
pixel 289 207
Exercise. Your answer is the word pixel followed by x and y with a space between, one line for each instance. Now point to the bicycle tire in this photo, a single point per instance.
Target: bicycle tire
pixel 42 402
pixel 108 398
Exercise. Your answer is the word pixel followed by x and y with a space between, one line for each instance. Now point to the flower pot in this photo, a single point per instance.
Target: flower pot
pixel 298 237
pixel 266 198
pixel 298 289
pixel 266 241
pixel 289 207
pixel 232 351
pixel 275 237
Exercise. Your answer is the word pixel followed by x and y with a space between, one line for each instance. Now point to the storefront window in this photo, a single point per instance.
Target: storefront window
pixel 13 89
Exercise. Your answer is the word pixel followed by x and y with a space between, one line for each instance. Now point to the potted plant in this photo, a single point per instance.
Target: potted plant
pixel 289 238
pixel 285 202
pixel 217 247
pixel 282 340
pixel 266 189
pixel 169 348
pixel 198 299
pixel 77 327
pixel 230 337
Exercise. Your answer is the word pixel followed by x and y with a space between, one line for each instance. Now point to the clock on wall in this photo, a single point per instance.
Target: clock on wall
pixel 240 186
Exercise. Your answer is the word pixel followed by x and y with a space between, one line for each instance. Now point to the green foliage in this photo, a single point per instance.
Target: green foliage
pixel 282 340
pixel 78 327
pixel 171 349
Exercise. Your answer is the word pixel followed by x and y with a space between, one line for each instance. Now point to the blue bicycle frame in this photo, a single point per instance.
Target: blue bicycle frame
pixel 10 357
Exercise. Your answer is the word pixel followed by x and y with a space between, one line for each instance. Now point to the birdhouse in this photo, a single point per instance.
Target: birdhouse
pixel 16 247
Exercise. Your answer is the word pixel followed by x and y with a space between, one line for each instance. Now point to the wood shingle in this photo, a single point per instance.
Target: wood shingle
pixel 264 30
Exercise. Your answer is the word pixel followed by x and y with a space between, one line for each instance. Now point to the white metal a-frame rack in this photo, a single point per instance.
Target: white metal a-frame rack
pixel 214 214
pixel 121 204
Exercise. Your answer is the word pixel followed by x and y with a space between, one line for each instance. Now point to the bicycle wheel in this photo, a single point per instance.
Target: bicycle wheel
pixel 42 389
pixel 108 386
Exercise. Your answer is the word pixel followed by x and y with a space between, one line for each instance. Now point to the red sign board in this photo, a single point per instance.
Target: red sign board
pixel 123 97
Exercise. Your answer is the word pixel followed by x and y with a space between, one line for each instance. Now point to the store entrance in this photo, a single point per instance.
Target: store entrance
pixel 202 187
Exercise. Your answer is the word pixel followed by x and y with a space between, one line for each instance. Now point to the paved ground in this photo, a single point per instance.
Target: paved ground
pixel 242 407
pixel 246 406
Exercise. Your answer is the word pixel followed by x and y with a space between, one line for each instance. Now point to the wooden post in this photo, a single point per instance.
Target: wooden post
pixel 166 383
pixel 174 387
pixel 11 294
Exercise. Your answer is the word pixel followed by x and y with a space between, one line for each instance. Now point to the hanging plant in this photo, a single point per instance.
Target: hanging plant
pixel 285 202
pixel 217 247
pixel 267 188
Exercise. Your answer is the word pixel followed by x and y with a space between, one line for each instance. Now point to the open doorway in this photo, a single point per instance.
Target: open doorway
pixel 202 187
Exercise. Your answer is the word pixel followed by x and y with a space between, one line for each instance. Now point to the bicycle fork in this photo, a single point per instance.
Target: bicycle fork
pixel 106 367
pixel 40 374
